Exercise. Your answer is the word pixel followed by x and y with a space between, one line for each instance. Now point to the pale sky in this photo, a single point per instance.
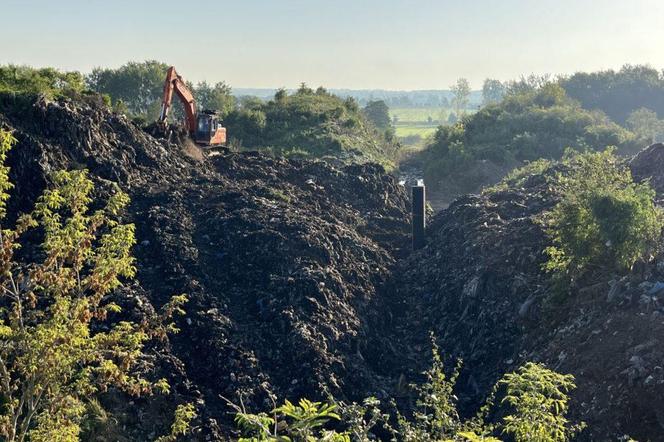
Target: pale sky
pixel 359 44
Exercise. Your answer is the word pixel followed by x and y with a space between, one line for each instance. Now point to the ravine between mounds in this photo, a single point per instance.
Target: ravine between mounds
pixel 301 280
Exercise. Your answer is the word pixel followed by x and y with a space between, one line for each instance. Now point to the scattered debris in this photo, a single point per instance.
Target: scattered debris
pixel 300 277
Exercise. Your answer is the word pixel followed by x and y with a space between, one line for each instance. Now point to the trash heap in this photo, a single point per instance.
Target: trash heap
pixel 301 280
pixel 281 259
pixel 479 287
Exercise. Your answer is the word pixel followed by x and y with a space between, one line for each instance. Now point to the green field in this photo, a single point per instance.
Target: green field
pixel 422 131
pixel 414 125
pixel 420 115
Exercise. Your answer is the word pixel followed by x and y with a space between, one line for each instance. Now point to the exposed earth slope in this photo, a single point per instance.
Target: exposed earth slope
pixel 300 279
pixel 281 259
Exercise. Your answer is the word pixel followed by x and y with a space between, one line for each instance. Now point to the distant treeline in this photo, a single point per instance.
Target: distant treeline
pixel 420 98
pixel 619 93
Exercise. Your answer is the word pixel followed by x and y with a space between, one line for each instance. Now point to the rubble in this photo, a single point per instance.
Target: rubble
pixel 479 286
pixel 301 279
pixel 281 259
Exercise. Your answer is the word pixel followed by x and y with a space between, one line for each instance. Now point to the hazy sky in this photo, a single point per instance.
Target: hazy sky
pixel 390 44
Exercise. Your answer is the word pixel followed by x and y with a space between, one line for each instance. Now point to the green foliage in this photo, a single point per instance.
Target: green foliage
pixel 436 416
pixel 304 422
pixel 461 91
pixel 492 91
pixel 378 113
pixel 539 399
pixel 646 124
pixel 618 93
pixel 536 396
pixel 215 97
pixel 7 140
pixel 184 414
pixel 51 359
pixel 138 86
pixel 361 419
pixel 524 127
pixel 517 177
pixel 49 81
pixel 315 122
pixel 604 219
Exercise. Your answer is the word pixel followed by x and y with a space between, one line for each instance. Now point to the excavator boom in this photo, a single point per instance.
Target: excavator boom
pixel 204 127
pixel 175 83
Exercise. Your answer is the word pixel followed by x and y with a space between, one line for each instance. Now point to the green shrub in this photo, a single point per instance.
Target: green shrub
pixel 436 416
pixel 297 423
pixel 517 177
pixel 537 398
pixel 318 124
pixel 604 219
pixel 524 127
pixel 52 358
pixel 49 81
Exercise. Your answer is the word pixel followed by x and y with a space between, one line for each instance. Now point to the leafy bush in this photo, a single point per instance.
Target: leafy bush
pixel 315 122
pixel 49 81
pixel 540 402
pixel 524 127
pixel 537 398
pixel 646 124
pixel 299 423
pixel 52 360
pixel 184 414
pixel 517 177
pixel 603 220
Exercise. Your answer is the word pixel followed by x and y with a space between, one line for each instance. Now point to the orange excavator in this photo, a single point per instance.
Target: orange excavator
pixel 203 127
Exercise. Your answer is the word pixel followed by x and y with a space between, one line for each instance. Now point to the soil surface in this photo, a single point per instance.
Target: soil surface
pixel 301 280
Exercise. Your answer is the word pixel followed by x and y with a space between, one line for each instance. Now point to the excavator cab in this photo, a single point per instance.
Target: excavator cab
pixel 209 131
pixel 204 127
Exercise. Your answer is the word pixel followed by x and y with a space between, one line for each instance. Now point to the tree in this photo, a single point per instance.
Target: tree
pixel 304 89
pixel 618 93
pixel 53 354
pixel 527 84
pixel 48 81
pixel 378 113
pixel 492 91
pixel 217 97
pixel 138 85
pixel 645 123
pixel 281 95
pixel 461 92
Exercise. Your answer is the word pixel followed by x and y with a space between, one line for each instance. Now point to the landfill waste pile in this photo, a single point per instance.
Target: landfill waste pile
pixel 281 259
pixel 480 287
pixel 301 281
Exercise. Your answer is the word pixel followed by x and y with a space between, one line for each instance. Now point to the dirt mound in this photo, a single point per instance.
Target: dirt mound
pixel 281 259
pixel 479 286
pixel 300 279
pixel 648 165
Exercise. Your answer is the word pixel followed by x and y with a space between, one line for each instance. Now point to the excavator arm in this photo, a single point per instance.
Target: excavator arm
pixel 175 84
pixel 204 128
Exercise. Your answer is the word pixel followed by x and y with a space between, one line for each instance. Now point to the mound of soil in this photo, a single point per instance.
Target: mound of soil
pixel 281 259
pixel 479 286
pixel 301 281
